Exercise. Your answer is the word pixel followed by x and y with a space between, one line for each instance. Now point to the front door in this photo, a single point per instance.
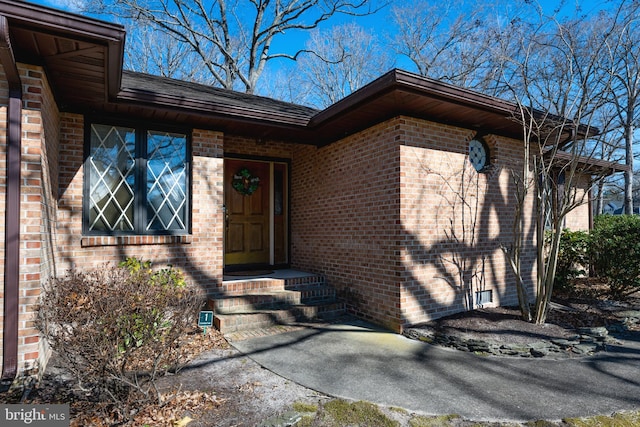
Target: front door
pixel 254 194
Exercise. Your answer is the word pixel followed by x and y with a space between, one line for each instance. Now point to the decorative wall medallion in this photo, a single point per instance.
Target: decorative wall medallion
pixel 478 154
pixel 244 182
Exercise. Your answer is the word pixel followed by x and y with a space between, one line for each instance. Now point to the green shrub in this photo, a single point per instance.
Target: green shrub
pixel 573 258
pixel 118 329
pixel 615 252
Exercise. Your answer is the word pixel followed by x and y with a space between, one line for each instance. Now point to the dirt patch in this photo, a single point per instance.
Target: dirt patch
pixel 219 387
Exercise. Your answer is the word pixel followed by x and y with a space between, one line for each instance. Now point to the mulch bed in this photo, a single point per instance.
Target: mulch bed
pixel 586 306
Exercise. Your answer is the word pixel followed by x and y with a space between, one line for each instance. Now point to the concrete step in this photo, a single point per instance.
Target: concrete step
pixel 266 284
pixel 257 318
pixel 257 303
pixel 272 299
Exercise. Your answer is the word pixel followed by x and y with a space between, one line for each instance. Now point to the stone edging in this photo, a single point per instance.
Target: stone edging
pixel 586 341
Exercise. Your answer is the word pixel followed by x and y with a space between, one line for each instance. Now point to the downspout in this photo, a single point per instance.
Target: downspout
pixel 12 212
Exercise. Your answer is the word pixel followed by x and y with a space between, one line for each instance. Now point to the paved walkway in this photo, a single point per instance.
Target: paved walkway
pixel 357 361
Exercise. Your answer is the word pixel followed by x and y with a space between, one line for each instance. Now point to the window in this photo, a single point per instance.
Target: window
pixel 136 181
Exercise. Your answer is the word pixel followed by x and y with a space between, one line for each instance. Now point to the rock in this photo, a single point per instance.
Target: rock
pixel 584 348
pixel 628 314
pixel 515 350
pixel 539 352
pixel 564 344
pixel 597 332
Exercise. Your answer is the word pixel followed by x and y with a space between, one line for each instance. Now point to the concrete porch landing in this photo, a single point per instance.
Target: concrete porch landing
pixel 282 297
pixel 283 274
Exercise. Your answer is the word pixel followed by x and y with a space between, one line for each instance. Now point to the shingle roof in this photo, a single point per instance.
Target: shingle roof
pixel 192 95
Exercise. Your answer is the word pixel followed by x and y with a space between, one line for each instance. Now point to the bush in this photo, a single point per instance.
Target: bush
pixel 117 329
pixel 573 258
pixel 615 252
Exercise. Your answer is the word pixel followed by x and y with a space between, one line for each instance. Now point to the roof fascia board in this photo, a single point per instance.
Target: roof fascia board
pixel 403 80
pixel 64 22
pixel 588 164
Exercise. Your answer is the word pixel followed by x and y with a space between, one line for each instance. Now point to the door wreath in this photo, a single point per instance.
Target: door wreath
pixel 245 183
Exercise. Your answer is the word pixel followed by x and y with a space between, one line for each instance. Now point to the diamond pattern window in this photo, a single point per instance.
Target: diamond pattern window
pixel 137 181
pixel 478 154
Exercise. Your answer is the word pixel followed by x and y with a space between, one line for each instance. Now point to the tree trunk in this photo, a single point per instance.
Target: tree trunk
pixel 628 174
pixel 545 283
pixel 600 198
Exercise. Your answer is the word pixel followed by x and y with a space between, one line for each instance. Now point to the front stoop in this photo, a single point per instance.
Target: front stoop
pixel 252 304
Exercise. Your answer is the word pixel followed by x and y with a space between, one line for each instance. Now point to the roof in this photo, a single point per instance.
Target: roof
pixel 83 59
pixel 586 164
pixel 75 50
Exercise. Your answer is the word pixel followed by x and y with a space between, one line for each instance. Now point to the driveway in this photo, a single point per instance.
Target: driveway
pixel 359 361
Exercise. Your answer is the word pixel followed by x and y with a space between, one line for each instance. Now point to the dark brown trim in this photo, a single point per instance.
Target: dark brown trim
pixel 39 16
pixel 242 113
pixel 12 214
pixel 74 26
pixel 403 80
pixel 585 164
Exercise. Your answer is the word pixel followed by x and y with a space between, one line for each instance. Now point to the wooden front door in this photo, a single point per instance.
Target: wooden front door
pixel 248 212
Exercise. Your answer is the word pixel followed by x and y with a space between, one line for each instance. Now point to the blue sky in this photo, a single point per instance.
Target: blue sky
pixel 294 41
pixel 378 20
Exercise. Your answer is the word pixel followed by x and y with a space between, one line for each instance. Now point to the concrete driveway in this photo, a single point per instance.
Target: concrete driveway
pixel 358 361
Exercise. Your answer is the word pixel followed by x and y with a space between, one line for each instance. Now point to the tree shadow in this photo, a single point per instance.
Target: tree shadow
pixel 473 215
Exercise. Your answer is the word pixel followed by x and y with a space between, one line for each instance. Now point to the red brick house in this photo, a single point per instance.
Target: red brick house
pixel 99 164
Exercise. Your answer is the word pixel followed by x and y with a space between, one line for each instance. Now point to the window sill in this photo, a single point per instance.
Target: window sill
pixel 91 241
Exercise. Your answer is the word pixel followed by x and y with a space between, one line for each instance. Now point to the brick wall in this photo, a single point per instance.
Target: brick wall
pixel 37 204
pixel 198 255
pixel 580 217
pixel 345 207
pixel 400 222
pixel 455 220
pixel 251 147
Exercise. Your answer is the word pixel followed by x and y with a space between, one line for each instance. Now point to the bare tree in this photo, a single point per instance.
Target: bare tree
pixel 232 38
pixel 340 61
pixel 624 56
pixel 562 81
pixel 452 41
pixel 154 52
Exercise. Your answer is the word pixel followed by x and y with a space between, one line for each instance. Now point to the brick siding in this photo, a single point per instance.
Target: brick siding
pixel 455 222
pixel 198 255
pixel 37 205
pixel 580 217
pixel 345 212
pixel 394 216
pixel 401 223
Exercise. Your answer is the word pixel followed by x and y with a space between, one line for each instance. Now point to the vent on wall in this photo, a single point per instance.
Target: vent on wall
pixel 484 297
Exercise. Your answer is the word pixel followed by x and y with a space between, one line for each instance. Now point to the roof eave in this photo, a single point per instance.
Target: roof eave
pixel 202 107
pixel 403 80
pixel 74 26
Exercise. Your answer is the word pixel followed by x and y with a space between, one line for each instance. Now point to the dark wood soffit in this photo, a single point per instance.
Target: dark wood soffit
pixel 64 43
pixel 403 93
